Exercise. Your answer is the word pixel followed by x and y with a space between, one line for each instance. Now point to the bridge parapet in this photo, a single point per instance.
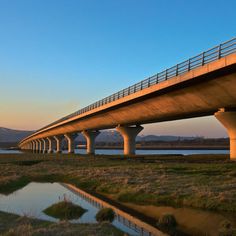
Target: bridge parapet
pixel 213 54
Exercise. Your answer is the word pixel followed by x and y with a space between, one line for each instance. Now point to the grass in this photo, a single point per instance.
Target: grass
pixel 105 214
pixel 13 185
pixel 198 181
pixel 14 225
pixel 65 210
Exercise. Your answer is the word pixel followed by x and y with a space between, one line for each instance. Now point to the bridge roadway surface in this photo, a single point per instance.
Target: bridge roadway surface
pixel 206 90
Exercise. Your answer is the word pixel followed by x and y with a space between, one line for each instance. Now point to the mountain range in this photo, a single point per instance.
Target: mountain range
pixel 112 136
pixel 12 136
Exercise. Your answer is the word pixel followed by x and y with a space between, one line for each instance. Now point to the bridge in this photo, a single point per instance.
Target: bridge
pixel 200 86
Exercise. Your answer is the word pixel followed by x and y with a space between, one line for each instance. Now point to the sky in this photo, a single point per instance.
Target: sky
pixel 57 56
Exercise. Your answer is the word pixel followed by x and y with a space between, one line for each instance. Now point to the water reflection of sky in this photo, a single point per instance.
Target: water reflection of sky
pixel 138 152
pixel 35 197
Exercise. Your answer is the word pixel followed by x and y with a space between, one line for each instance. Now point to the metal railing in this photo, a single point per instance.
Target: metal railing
pixel 213 54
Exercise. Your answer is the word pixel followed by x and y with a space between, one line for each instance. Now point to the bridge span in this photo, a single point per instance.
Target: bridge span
pixel 200 86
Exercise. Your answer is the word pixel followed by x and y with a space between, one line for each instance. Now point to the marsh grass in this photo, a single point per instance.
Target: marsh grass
pixel 65 210
pixel 105 214
pixel 11 186
pixel 13 225
pixel 198 181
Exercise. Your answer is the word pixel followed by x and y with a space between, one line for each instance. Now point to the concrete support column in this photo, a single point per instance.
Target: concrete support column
pixel 71 142
pixel 37 146
pixel 28 146
pixel 58 139
pixel 228 120
pixel 40 146
pixel 31 146
pixel 34 146
pixel 90 139
pixel 50 148
pixel 44 145
pixel 129 135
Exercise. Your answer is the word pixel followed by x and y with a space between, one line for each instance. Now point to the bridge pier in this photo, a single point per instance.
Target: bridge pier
pixel 44 148
pixel 129 135
pixel 40 146
pixel 27 147
pixel 33 146
pixel 228 120
pixel 71 142
pixel 58 139
pixel 36 146
pixel 90 139
pixel 50 148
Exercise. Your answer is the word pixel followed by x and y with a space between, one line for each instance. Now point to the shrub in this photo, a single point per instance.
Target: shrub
pixel 65 210
pixel 105 214
pixel 167 220
pixel 226 229
pixel 24 229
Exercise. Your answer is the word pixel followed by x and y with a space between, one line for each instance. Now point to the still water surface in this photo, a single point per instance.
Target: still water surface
pixel 35 197
pixel 138 152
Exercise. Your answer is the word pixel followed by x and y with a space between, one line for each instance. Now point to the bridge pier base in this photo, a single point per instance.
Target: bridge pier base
pixel 129 135
pixel 228 120
pixel 58 139
pixel 50 148
pixel 90 139
pixel 71 142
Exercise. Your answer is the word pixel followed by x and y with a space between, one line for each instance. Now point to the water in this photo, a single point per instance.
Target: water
pixel 154 152
pixel 9 151
pixel 35 197
pixel 138 152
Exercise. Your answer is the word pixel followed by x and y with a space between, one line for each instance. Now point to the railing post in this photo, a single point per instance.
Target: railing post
pixel 177 68
pixel 166 75
pixel 203 54
pixel 219 51
pixel 157 79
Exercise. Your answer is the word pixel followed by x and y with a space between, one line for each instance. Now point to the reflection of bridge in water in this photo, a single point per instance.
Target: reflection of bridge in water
pixel 200 86
pixel 126 219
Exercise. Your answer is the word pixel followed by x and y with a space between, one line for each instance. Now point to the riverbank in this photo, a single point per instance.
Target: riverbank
pixel 12 224
pixel 197 181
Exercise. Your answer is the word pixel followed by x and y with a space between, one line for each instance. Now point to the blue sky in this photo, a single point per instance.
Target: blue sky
pixel 57 56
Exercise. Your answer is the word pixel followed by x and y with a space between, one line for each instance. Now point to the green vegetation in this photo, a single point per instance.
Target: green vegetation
pixel 105 214
pixel 65 210
pixel 197 181
pixel 14 225
pixel 227 229
pixel 167 220
pixel 13 184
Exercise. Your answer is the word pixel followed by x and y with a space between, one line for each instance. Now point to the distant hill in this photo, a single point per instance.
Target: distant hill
pixel 108 136
pixel 12 136
pixel 113 136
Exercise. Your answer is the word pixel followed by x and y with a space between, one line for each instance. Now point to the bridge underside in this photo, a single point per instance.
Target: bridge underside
pixel 200 92
pixel 184 101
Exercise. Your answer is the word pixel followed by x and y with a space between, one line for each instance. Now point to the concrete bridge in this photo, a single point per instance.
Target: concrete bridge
pixel 200 86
